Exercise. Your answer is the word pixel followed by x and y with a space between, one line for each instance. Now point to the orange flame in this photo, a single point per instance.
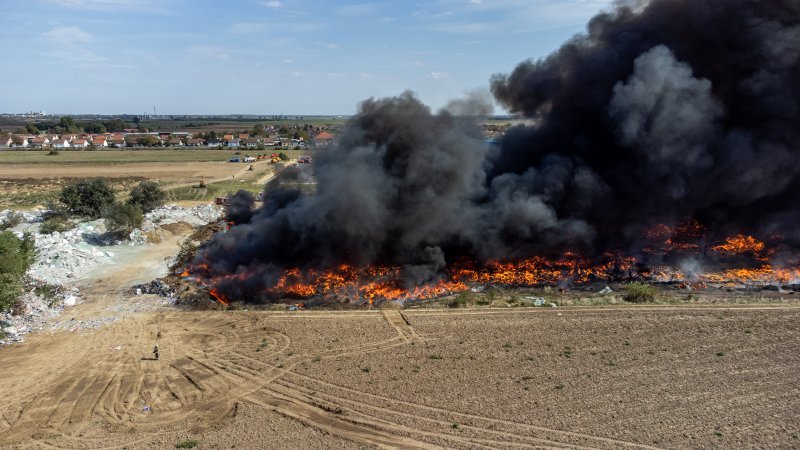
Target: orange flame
pixel 219 297
pixel 380 283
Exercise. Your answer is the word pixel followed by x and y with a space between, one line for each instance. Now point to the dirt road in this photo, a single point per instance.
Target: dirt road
pixel 641 377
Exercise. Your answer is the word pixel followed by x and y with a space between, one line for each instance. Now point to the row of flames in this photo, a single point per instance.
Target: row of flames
pixel 386 283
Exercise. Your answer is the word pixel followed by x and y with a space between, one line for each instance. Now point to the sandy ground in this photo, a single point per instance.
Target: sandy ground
pixel 164 171
pixel 607 377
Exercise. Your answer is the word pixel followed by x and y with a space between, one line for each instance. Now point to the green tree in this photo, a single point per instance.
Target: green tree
pixel 258 130
pixel 95 127
pixel 68 124
pixel 121 219
pixel 31 129
pixel 301 134
pixel 147 196
pixel 88 197
pixel 115 125
pixel 16 255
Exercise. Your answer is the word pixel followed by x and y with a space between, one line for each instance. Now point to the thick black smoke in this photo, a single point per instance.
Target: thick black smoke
pixel 664 110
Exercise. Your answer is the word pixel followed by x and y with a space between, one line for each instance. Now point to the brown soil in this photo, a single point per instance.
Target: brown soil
pixel 610 377
pixel 164 171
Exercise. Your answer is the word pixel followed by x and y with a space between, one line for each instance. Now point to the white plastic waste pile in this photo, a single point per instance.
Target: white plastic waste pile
pixel 61 256
pixel 196 216
pixel 64 257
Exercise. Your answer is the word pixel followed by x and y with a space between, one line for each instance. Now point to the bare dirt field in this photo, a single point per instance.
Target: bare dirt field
pixel 31 178
pixel 606 377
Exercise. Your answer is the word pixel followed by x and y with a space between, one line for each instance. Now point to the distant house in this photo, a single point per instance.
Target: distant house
pixel 196 142
pixel 6 141
pixel 323 139
pixel 99 141
pixel 60 143
pixel 79 143
pixel 243 136
pixel 215 142
pixel 40 142
pixel 20 142
pixel 117 141
pixel 227 137
pixel 252 142
pixel 233 143
pixel 175 142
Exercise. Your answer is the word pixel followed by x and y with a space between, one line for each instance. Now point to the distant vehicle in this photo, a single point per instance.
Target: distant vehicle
pixel 304 160
pixel 235 159
pixel 249 158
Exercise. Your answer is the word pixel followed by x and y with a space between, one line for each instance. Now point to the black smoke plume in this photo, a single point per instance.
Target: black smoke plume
pixel 664 110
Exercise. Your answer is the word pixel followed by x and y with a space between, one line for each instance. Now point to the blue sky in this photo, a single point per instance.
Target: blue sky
pixel 265 56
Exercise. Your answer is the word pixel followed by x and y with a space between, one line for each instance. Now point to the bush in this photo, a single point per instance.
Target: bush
pixel 121 219
pixel 147 196
pixel 56 209
pixel 11 221
pixel 640 293
pixel 282 156
pixel 55 223
pixel 52 152
pixel 16 255
pixel 88 197
pixel 189 443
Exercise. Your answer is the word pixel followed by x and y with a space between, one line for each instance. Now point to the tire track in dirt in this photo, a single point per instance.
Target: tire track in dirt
pixel 215 360
pixel 467 420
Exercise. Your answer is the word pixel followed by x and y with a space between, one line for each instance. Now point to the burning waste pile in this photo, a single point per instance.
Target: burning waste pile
pixel 665 148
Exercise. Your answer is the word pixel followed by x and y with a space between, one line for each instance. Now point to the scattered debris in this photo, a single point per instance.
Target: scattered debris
pixel 42 303
pixel 157 287
pixel 537 301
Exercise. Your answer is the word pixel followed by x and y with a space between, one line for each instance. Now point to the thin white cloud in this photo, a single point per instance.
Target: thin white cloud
pixel 68 44
pixel 111 5
pixel 274 4
pixel 468 27
pixel 438 75
pixel 328 45
pixel 357 10
pixel 249 27
pixel 67 35
pixel 426 14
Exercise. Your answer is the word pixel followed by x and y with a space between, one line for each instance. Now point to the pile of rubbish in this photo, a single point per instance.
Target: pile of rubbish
pixel 63 257
pixel 196 216
pixel 156 287
pixel 41 307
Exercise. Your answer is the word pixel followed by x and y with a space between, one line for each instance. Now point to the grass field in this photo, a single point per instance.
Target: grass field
pixel 213 190
pixel 118 156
